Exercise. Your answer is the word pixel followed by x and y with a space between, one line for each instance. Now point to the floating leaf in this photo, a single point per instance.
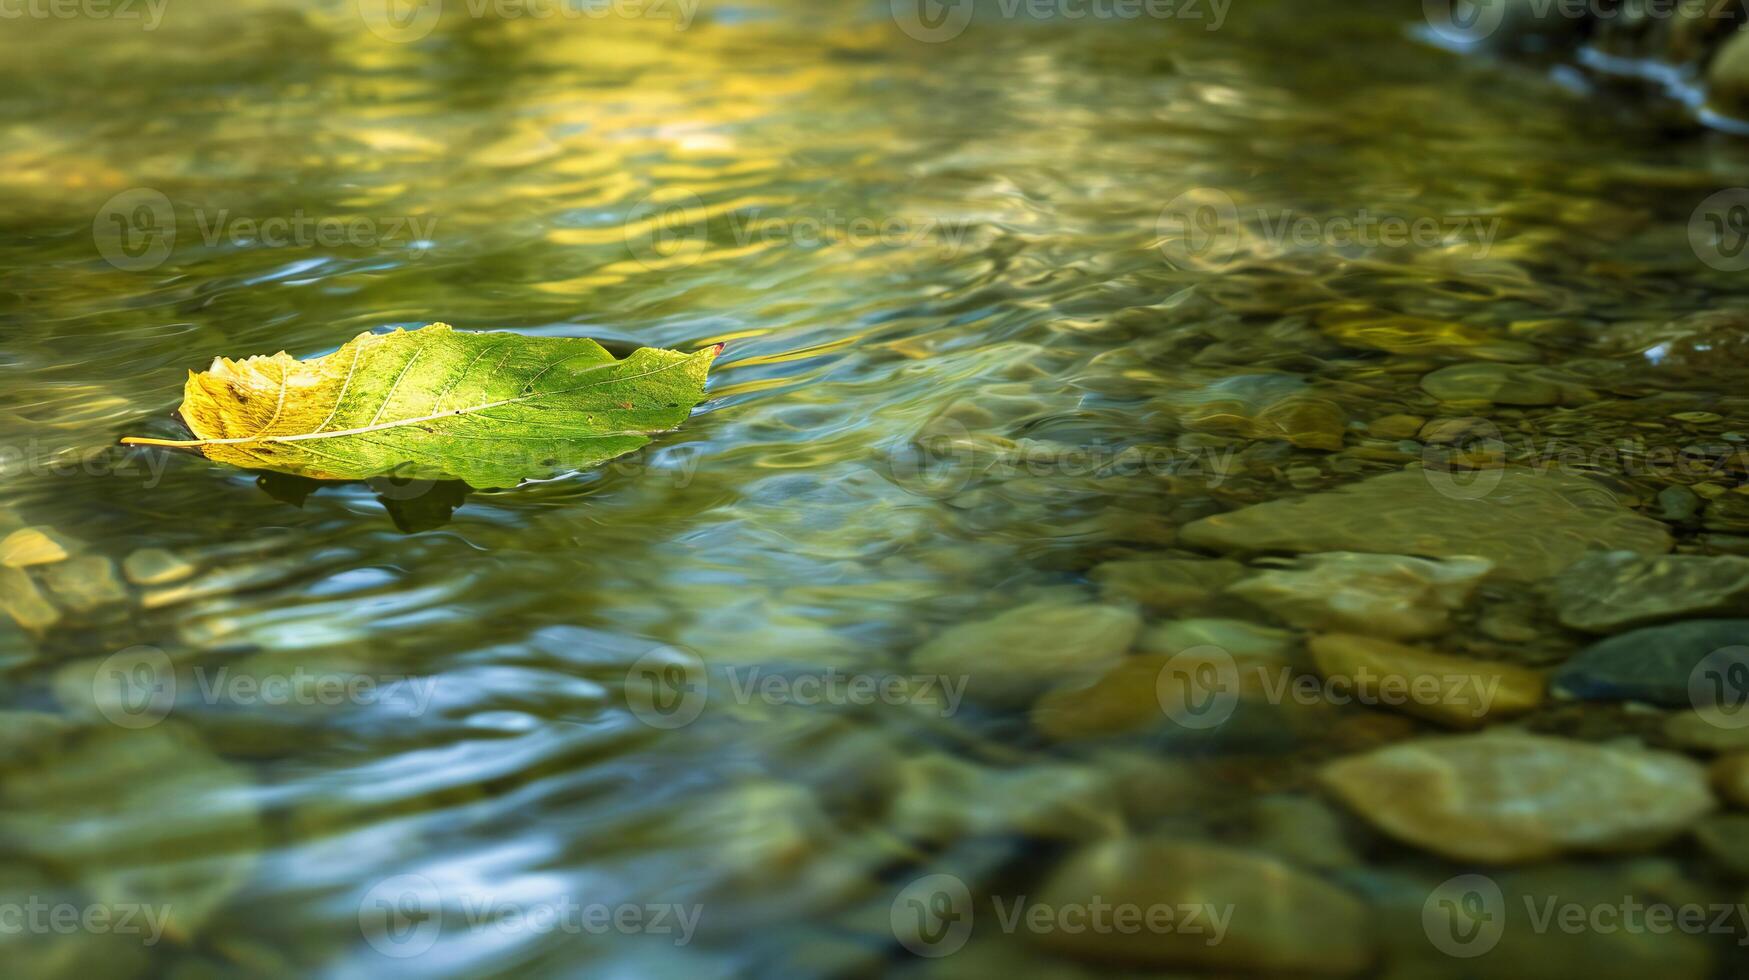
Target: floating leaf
pixel 492 409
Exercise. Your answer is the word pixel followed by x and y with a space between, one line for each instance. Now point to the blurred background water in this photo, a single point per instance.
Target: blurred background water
pixel 992 234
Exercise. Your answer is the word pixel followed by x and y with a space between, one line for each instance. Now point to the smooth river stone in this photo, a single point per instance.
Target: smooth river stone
pixel 1531 525
pixel 1282 919
pixel 24 602
pixel 1164 583
pixel 1503 797
pixel 1450 690
pixel 1012 658
pixel 1655 664
pixel 1387 595
pixel 1260 406
pixel 86 583
pixel 1494 383
pixel 155 566
pixel 1614 590
pixel 35 546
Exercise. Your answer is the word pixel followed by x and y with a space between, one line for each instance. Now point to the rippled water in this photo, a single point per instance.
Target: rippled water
pixel 350 732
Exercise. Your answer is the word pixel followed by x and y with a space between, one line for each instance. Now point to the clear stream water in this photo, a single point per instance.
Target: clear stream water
pixel 342 730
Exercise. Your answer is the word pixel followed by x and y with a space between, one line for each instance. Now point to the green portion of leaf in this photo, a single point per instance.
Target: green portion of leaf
pixel 491 409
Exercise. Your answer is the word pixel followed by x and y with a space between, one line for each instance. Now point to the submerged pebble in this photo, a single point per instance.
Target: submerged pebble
pixel 1608 591
pixel 1530 523
pixel 21 599
pixel 1164 583
pixel 1455 691
pixel 156 566
pixel 86 583
pixel 1655 664
pixel 1282 919
pixel 1011 658
pixel 1389 595
pixel 1506 797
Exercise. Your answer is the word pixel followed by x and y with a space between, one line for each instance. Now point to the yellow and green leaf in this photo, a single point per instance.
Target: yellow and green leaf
pixel 491 409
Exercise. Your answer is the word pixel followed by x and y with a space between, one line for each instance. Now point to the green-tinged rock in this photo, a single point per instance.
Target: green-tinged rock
pixel 941 799
pixel 1303 831
pixel 1498 384
pixel 1164 583
pixel 1455 691
pixel 1357 325
pixel 1677 503
pixel 147 815
pixel 1396 426
pixel 1655 664
pixel 1281 919
pixel 1614 590
pixel 1260 406
pixel 1204 695
pixel 56 930
pixel 1725 838
pixel 1698 732
pixel 155 566
pixel 23 732
pixel 1010 659
pixel 1506 797
pixel 1530 523
pixel 1241 638
pixel 1390 595
pixel 87 583
pixel 24 602
pixel 1465 924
